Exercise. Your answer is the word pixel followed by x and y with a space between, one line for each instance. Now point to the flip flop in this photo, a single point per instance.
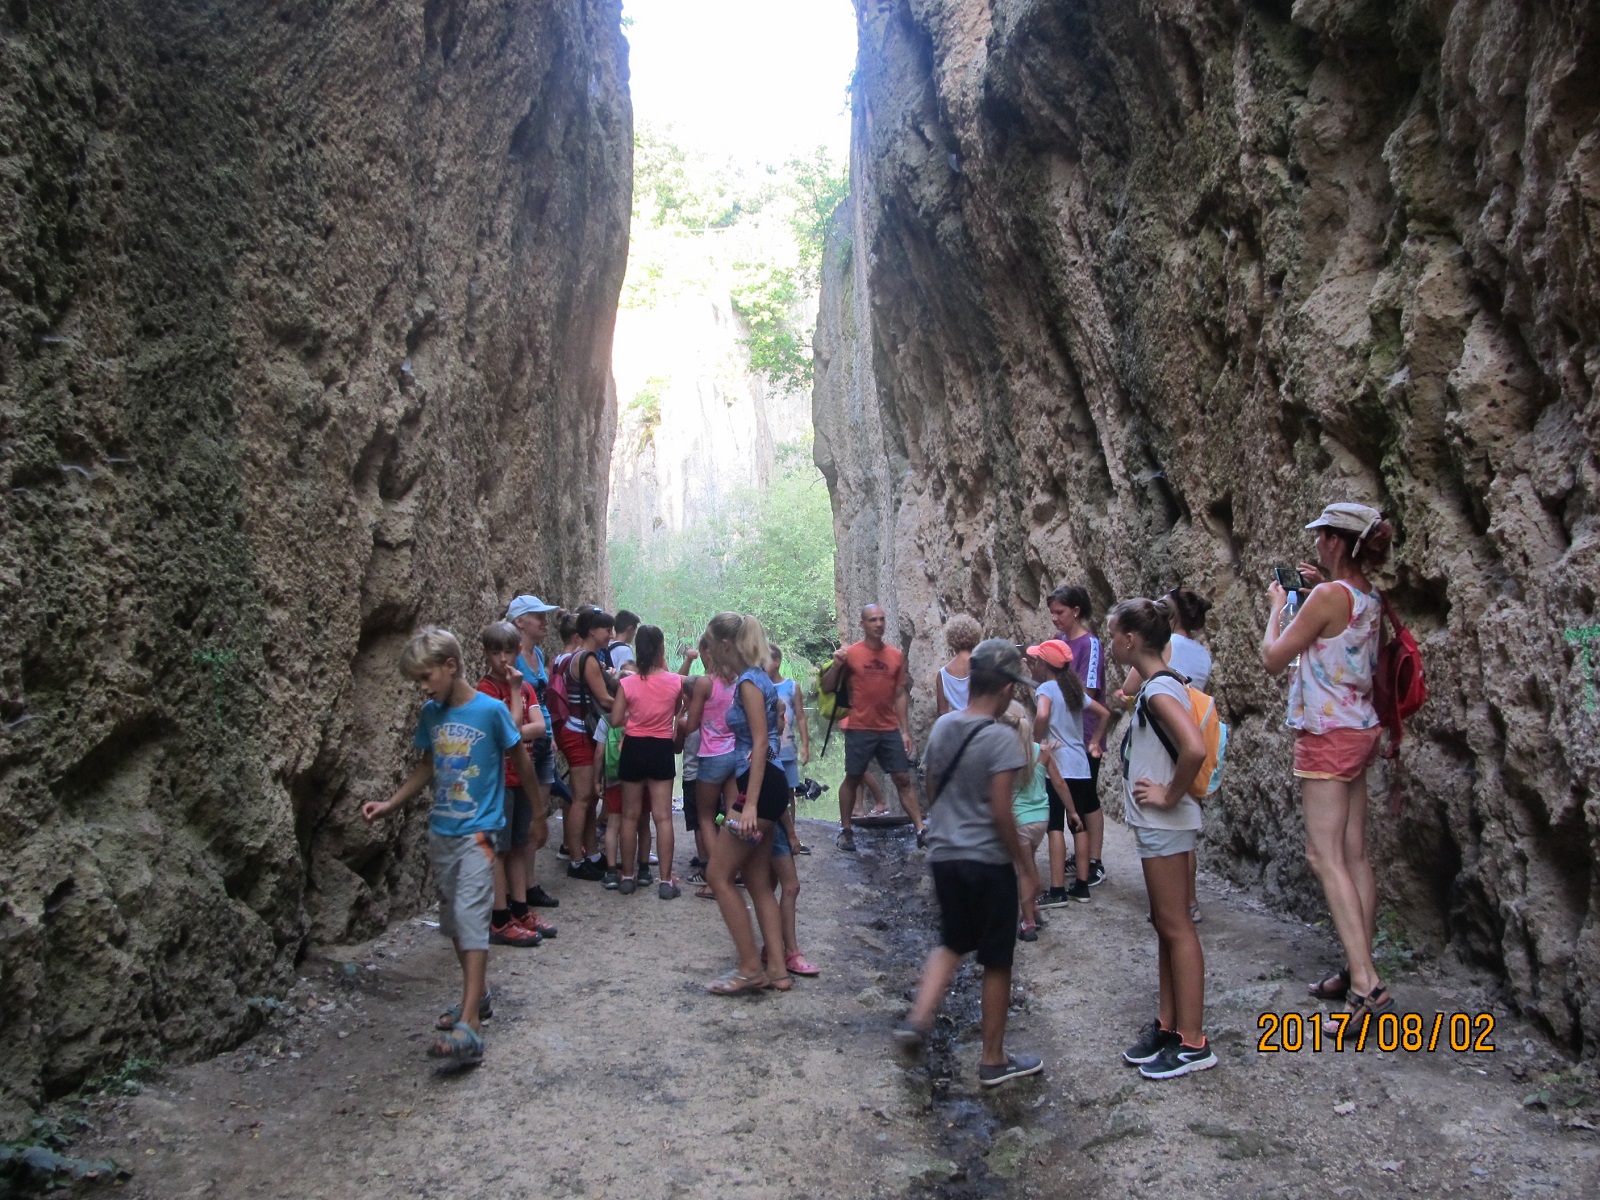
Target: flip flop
pixel 735 983
pixel 704 892
pixel 798 965
pixel 461 1045
pixel 781 984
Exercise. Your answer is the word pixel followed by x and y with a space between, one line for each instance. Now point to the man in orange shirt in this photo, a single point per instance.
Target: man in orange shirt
pixel 879 725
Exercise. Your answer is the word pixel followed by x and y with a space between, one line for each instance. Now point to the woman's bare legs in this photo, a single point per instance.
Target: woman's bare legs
pixel 1329 818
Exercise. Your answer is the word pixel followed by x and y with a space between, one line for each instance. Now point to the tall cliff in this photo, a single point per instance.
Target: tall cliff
pixel 305 325
pixel 1126 291
pixel 696 422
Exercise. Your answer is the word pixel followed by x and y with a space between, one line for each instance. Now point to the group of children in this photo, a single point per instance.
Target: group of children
pixel 619 717
pixel 1002 779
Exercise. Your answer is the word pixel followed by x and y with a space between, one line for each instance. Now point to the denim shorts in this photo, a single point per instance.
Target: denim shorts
pixel 543 753
pixel 790 762
pixel 780 841
pixel 718 767
pixel 885 745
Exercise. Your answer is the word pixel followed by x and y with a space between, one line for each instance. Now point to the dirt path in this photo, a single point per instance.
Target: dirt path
pixel 611 1073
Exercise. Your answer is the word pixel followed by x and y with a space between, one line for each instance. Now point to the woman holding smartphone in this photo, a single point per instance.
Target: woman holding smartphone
pixel 1332 646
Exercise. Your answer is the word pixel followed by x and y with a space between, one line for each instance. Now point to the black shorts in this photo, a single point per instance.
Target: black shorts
pixel 774 799
pixel 1085 798
pixel 643 758
pixel 978 910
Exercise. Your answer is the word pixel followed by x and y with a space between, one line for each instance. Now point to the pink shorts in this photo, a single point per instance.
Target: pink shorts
pixel 1340 754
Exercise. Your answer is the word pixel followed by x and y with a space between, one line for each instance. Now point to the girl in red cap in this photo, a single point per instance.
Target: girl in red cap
pixel 1061 706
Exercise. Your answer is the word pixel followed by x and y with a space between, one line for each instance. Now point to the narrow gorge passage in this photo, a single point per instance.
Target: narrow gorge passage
pixel 611 1074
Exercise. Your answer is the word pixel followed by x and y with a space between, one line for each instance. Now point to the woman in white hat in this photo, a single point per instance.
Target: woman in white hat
pixel 1335 638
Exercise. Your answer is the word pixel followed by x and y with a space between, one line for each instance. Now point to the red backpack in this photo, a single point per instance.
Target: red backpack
pixel 1399 687
pixel 555 696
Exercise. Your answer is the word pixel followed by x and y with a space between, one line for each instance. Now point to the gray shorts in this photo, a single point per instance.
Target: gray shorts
pixel 885 745
pixel 513 835
pixel 1033 832
pixel 463 875
pixel 1161 843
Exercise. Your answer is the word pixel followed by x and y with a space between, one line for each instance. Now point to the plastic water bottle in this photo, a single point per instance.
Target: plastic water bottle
pixel 1290 607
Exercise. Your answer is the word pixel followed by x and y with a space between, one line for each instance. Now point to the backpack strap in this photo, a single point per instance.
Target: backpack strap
pixel 1147 718
pixel 944 776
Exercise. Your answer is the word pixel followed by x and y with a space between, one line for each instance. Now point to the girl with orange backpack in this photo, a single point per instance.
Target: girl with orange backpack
pixel 1335 636
pixel 1161 809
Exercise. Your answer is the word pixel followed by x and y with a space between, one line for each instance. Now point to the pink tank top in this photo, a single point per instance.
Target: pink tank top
pixel 652 703
pixel 715 736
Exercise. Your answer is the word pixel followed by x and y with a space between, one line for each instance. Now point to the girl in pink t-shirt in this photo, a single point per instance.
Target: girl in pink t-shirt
pixel 646 711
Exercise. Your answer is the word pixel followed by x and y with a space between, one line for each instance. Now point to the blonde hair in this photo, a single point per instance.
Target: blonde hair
pixel 962 633
pixel 1016 716
pixel 429 647
pixel 740 638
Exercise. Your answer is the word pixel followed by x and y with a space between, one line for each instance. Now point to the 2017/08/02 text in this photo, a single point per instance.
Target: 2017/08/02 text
pixel 1413 1033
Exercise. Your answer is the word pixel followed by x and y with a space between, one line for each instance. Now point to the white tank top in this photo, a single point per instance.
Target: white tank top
pixel 955 690
pixel 1332 687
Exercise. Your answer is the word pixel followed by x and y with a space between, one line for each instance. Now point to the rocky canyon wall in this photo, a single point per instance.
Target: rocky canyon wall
pixel 305 326
pixel 1126 291
pixel 695 422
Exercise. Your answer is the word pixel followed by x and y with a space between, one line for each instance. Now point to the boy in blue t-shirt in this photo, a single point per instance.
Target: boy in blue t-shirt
pixel 465 737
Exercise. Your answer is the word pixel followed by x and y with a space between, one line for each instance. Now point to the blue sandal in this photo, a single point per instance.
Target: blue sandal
pixel 451 1016
pixel 461 1045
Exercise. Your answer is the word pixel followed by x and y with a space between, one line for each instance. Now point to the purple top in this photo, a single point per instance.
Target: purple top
pixel 1086 662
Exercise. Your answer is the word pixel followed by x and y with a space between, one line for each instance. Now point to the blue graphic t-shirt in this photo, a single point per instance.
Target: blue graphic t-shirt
pixel 541 680
pixel 469 744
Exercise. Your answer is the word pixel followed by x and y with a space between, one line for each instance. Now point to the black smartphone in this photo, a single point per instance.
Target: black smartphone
pixel 1289 579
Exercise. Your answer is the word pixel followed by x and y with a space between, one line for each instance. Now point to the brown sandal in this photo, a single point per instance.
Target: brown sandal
pixel 1334 987
pixel 735 983
pixel 704 892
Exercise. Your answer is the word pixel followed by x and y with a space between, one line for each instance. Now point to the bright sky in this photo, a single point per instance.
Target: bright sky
pixel 746 79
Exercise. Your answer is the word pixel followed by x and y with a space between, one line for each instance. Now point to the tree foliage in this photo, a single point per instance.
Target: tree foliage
pixel 767 552
pixel 754 235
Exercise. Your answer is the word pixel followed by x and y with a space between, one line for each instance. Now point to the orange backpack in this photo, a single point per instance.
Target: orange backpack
pixel 1213 733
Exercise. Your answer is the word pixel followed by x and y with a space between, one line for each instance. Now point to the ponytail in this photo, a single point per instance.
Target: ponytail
pixel 1071 688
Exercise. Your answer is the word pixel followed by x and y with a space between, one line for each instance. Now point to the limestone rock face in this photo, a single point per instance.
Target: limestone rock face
pixel 305 324
pixel 695 422
pixel 1126 292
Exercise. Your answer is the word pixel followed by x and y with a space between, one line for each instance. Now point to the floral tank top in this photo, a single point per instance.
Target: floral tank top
pixel 1332 687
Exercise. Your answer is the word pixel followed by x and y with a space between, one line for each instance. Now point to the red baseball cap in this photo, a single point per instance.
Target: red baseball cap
pixel 1057 654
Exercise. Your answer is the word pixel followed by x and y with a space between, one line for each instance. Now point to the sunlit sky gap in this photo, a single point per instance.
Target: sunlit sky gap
pixel 751 80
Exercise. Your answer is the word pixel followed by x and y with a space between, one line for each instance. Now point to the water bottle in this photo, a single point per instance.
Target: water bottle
pixel 1290 607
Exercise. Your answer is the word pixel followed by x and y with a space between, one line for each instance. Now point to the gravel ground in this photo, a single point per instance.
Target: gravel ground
pixel 610 1072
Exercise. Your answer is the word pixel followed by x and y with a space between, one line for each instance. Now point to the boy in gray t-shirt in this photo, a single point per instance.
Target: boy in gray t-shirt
pixel 976 857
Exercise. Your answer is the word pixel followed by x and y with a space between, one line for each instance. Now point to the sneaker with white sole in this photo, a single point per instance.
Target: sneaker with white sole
pixel 1079 891
pixel 1015 1067
pixel 1055 897
pixel 1097 872
pixel 1178 1059
pixel 1152 1040
pixel 846 840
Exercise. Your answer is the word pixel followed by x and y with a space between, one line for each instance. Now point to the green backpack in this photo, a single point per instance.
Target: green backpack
pixel 834 705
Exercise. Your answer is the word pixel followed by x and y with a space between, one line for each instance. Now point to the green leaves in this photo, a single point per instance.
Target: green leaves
pixel 768 553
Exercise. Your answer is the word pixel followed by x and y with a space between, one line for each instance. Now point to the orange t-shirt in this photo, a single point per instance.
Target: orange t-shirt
pixel 875 676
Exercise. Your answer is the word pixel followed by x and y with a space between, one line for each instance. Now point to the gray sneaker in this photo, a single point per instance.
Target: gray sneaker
pixel 627 885
pixel 846 840
pixel 609 880
pixel 669 890
pixel 1016 1066
pixel 645 877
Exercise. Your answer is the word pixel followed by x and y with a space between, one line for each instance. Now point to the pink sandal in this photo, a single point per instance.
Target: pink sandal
pixel 798 965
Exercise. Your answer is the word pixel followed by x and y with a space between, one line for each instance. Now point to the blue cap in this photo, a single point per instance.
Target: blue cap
pixel 523 605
